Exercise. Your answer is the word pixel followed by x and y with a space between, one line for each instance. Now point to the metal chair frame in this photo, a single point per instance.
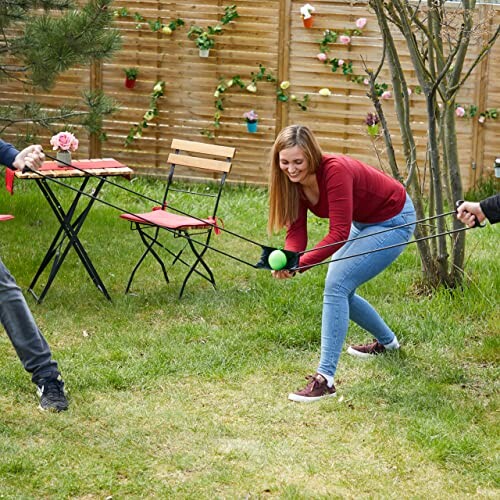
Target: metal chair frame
pixel 151 233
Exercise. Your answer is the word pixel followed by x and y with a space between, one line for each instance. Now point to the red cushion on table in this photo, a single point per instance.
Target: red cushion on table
pixel 83 164
pixel 168 220
pixel 6 217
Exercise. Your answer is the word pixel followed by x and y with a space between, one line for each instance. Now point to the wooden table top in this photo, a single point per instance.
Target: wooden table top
pixel 95 167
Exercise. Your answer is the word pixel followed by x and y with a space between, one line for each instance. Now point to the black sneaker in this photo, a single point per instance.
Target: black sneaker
pixel 367 350
pixel 316 389
pixel 52 396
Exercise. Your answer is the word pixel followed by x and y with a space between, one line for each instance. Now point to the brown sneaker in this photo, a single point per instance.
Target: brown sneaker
pixel 366 351
pixel 316 389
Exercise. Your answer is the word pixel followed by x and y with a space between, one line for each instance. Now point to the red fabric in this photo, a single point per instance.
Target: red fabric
pixel 83 164
pixel 6 217
pixel 52 165
pixel 9 180
pixel 161 218
pixel 349 190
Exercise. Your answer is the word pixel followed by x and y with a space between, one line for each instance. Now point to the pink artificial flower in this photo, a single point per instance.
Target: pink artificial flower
pixel 341 62
pixel 460 111
pixel 361 22
pixel 64 141
pixel 322 57
pixel 346 40
pixel 409 91
pixel 251 116
pixel 366 81
pixel 386 95
pixel 481 119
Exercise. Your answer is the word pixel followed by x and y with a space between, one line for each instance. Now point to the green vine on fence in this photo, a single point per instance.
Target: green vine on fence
pixel 381 89
pixel 167 28
pixel 204 37
pixel 262 75
pixel 330 37
pixel 472 111
pixel 136 131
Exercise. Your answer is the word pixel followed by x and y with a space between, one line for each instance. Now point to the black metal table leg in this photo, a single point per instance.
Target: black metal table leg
pixel 70 225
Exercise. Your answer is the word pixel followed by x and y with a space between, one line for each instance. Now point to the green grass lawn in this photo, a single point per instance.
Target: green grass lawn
pixel 188 398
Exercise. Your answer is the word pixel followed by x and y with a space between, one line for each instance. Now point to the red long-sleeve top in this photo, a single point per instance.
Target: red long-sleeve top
pixel 349 190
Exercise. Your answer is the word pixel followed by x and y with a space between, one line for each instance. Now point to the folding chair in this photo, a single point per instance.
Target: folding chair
pixel 180 222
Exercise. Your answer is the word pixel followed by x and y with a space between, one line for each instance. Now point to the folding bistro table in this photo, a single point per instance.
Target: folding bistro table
pixel 72 219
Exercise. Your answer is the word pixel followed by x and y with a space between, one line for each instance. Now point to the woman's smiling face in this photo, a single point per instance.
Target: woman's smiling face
pixel 294 164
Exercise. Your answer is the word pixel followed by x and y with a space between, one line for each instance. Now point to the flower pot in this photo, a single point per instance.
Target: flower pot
pixel 63 158
pixel 252 127
pixel 130 83
pixel 373 129
pixel 204 52
pixel 497 167
pixel 308 23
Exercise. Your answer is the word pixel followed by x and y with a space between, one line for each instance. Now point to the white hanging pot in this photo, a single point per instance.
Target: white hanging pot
pixel 204 52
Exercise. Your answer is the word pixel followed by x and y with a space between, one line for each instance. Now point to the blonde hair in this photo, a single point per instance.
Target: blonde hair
pixel 284 196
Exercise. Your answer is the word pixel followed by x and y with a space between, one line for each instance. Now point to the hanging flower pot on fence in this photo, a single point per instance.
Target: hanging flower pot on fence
pixel 252 126
pixel 251 118
pixel 130 83
pixel 307 11
pixel 308 23
pixel 204 52
pixel 372 124
pixel 130 77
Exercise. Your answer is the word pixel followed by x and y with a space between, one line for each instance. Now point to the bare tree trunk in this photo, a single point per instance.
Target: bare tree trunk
pixel 450 141
pixel 437 43
pixel 402 106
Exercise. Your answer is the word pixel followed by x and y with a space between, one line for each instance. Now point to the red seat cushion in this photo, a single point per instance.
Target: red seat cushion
pixel 6 217
pixel 169 220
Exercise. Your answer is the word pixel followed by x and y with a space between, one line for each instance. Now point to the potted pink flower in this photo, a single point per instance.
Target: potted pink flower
pixel 372 121
pixel 64 143
pixel 251 118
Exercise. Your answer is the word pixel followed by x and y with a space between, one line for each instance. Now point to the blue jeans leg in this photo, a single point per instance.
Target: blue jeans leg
pixel 28 341
pixel 340 301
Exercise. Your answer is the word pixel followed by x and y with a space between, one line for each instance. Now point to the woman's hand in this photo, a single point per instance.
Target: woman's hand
pixel 283 274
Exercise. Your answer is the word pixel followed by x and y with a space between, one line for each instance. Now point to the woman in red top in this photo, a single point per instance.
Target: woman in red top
pixel 359 201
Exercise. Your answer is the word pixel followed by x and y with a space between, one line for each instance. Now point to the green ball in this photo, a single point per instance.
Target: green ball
pixel 277 260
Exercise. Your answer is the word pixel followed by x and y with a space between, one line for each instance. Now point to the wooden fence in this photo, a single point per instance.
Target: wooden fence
pixel 267 33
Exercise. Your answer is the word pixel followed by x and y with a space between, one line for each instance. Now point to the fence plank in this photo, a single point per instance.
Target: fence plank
pixel 270 33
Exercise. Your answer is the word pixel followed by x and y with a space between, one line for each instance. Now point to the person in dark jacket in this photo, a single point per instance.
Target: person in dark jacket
pixel 468 212
pixel 15 315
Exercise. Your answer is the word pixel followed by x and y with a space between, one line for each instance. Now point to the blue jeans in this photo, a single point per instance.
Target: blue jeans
pixel 28 341
pixel 340 302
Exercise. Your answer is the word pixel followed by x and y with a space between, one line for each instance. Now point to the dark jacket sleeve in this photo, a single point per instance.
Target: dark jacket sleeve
pixel 8 154
pixel 491 208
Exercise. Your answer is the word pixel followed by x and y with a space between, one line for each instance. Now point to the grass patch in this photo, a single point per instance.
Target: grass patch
pixel 187 398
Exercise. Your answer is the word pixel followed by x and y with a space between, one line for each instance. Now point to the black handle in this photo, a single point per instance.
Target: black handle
pixel 476 222
pixel 292 259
